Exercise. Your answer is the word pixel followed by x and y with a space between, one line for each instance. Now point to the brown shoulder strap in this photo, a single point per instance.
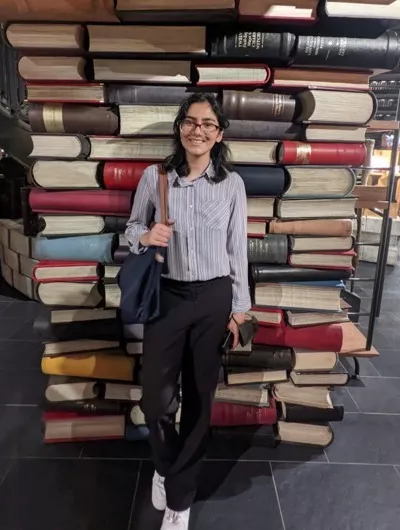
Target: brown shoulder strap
pixel 163 190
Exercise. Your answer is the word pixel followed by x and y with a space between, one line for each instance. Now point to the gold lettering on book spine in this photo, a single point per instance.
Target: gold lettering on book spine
pixel 303 153
pixel 53 118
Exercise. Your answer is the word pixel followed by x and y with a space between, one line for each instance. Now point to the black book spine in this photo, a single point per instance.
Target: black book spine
pixel 85 407
pixel 115 224
pixel 273 248
pixel 263 181
pixel 257 44
pixel 300 414
pixel 264 358
pixel 347 52
pixel 271 273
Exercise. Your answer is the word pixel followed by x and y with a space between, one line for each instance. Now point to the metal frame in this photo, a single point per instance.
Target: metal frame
pixel 386 230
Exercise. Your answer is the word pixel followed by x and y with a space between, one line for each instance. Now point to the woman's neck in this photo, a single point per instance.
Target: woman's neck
pixel 197 165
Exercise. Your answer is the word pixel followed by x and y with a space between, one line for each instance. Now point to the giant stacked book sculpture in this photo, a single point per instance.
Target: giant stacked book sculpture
pixel 102 101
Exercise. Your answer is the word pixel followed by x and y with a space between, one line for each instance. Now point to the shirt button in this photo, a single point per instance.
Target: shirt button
pixel 191 206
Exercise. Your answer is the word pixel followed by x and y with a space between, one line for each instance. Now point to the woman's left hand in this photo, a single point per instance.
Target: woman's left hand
pixel 236 320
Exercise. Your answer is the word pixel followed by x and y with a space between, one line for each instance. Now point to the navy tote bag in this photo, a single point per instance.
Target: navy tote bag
pixel 140 275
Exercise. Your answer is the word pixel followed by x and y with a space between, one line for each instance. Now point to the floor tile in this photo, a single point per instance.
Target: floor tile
pixel 116 449
pixel 20 355
pixel 376 394
pixel 21 435
pixel 366 368
pixel 66 494
pixel 388 363
pixel 341 396
pixel 366 438
pixel 13 328
pixel 237 445
pixel 230 495
pixel 352 497
pixel 23 310
pixel 22 387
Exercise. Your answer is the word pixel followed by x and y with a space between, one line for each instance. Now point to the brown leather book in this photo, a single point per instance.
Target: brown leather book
pixel 317 227
pixel 60 10
pixel 70 118
pixel 241 105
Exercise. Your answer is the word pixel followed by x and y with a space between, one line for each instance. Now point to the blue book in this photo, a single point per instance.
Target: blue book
pixel 81 248
pixel 136 433
pixel 320 283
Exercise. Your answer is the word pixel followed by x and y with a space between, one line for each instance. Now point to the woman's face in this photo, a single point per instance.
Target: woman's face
pixel 200 130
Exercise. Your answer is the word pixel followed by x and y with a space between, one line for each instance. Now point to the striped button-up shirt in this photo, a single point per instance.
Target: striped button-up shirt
pixel 209 233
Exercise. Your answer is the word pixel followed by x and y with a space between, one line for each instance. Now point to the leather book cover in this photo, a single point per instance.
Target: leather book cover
pixel 322 153
pixel 107 329
pixel 274 274
pixel 98 202
pixel 315 227
pixel 258 106
pixel 210 12
pixel 271 249
pixel 145 95
pixel 264 130
pixel 61 10
pixel 50 264
pixel 231 415
pixel 264 357
pixel 330 266
pixel 361 53
pixel 120 254
pixel 263 45
pixel 97 407
pixel 323 338
pixel 263 181
pixel 123 175
pixel 97 248
pixel 301 414
pixel 241 437
pixel 71 118
pixel 94 366
pixel 115 224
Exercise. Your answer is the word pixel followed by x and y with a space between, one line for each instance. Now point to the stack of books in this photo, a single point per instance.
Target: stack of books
pixel 103 99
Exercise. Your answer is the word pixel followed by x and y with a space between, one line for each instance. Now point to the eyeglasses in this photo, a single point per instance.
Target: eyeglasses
pixel 187 126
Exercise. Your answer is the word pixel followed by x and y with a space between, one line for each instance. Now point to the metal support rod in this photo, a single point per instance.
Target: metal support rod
pixel 356 368
pixel 381 264
pixel 385 258
pixel 358 236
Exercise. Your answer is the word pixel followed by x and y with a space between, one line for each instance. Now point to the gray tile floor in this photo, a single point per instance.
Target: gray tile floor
pixel 352 485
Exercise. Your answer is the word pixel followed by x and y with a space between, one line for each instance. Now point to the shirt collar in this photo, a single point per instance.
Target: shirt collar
pixel 209 174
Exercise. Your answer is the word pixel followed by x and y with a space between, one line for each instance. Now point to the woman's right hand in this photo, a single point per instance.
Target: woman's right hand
pixel 158 236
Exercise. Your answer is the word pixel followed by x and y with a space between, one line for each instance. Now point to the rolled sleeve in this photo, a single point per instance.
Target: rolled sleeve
pixel 141 215
pixel 237 249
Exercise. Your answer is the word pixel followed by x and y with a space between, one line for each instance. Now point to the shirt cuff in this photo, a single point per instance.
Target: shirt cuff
pixel 134 243
pixel 241 306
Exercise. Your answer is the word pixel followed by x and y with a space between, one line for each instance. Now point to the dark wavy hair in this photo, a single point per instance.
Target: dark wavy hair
pixel 220 153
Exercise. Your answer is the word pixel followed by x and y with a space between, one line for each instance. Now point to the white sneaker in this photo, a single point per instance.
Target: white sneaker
pixel 158 497
pixel 176 520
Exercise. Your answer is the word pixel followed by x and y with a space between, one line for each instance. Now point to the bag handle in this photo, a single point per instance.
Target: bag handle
pixel 163 191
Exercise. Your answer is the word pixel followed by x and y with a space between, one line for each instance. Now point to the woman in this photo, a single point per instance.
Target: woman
pixel 205 291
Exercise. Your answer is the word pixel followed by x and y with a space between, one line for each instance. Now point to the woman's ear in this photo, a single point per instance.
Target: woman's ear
pixel 220 137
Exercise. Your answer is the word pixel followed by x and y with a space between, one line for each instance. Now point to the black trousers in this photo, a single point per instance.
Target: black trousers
pixel 183 342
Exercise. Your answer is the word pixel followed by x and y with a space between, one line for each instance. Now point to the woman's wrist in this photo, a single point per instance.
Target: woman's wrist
pixel 144 239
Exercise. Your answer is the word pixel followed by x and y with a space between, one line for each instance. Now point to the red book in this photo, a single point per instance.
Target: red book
pixel 324 338
pixel 233 74
pixel 92 202
pixel 316 260
pixel 268 317
pixel 123 175
pixel 65 271
pixel 229 415
pixel 290 152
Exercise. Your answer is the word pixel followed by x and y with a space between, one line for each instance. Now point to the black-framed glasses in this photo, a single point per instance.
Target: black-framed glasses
pixel 187 126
